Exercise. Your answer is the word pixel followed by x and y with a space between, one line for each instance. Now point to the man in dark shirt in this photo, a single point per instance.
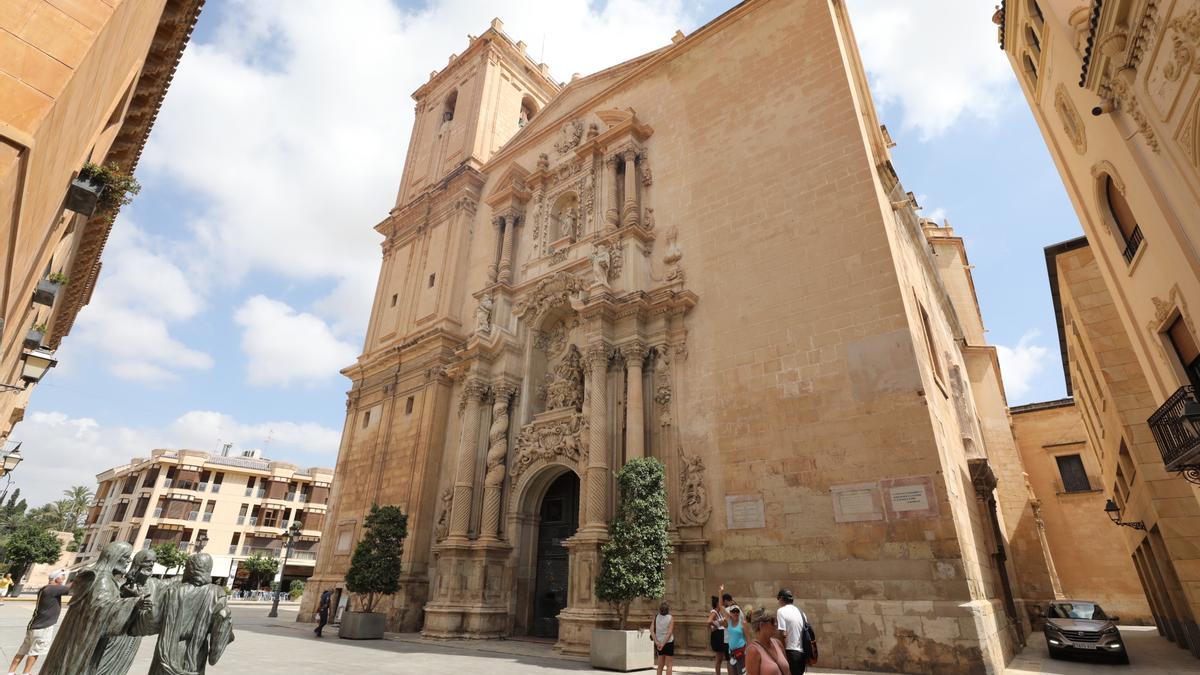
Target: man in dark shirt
pixel 40 632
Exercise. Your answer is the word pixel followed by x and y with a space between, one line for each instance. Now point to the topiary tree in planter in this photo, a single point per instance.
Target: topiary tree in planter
pixel 375 569
pixel 635 558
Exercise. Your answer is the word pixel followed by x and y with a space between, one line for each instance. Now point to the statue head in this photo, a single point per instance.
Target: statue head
pixel 114 558
pixel 198 569
pixel 143 564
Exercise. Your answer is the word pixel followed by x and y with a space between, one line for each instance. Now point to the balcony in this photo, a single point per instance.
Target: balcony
pixel 1176 429
pixel 249 491
pixel 202 487
pixel 1076 488
pixel 1132 243
pixel 208 517
pixel 290 497
pixel 233 550
pixel 193 515
pixel 158 513
pixel 216 487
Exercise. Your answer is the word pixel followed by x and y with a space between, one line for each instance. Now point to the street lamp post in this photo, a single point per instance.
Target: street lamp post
pixel 293 531
pixel 9 462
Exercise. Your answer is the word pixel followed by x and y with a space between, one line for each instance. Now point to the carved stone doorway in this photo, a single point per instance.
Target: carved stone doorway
pixel 558 519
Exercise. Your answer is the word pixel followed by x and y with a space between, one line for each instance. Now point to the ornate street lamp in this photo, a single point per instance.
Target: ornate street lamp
pixel 289 536
pixel 1114 514
pixel 34 365
pixel 10 460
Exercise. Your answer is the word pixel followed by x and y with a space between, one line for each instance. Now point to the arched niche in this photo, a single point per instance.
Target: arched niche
pixel 565 220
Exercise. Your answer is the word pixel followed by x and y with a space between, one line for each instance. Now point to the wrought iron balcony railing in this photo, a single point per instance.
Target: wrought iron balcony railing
pixel 1176 429
pixel 1132 243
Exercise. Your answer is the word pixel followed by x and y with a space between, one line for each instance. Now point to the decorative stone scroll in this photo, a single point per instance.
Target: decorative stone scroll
pixel 555 438
pixel 551 291
pixel 1129 105
pixel 1185 42
pixel 695 508
pixel 569 136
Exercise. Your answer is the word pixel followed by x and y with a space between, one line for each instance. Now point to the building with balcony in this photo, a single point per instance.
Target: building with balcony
pixel 79 82
pixel 1115 92
pixel 238 505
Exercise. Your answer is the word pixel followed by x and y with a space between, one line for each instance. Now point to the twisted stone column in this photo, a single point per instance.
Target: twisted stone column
pixel 597 461
pixel 493 481
pixel 629 214
pixel 612 216
pixel 635 420
pixel 494 268
pixel 506 250
pixel 464 478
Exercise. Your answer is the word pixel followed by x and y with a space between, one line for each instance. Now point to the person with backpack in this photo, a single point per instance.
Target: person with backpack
pixel 799 639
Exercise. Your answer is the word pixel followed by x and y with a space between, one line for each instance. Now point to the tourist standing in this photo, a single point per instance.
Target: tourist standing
pixel 323 612
pixel 735 635
pixel 40 631
pixel 5 583
pixel 716 634
pixel 765 655
pixel 662 631
pixel 792 625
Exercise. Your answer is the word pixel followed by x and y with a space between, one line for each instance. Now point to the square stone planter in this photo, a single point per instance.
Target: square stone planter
pixel 34 339
pixel 45 292
pixel 83 195
pixel 622 650
pixel 362 626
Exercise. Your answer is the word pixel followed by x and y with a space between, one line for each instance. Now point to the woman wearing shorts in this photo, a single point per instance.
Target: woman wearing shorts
pixel 662 631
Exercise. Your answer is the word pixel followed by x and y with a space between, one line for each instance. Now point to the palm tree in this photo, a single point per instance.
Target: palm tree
pixel 75 506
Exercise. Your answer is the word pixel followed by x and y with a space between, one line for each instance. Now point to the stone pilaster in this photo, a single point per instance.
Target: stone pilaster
pixel 635 416
pixel 612 214
pixel 596 512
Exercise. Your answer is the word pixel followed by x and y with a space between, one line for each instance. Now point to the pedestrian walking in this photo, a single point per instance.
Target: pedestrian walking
pixel 40 631
pixel 662 631
pixel 716 634
pixel 323 612
pixel 799 639
pixel 765 655
pixel 5 584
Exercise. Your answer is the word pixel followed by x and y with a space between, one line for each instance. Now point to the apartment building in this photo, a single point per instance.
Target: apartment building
pixel 232 506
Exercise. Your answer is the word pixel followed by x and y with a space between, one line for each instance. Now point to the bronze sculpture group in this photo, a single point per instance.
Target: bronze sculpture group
pixel 107 619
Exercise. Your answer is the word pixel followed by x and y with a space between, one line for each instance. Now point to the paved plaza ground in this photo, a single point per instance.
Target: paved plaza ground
pixel 268 646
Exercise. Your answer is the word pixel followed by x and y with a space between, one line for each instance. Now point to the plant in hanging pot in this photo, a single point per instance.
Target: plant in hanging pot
pixel 374 572
pixel 101 190
pixel 35 336
pixel 633 563
pixel 83 195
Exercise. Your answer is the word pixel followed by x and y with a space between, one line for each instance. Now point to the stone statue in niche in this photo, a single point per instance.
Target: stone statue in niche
pixel 483 315
pixel 568 223
pixel 543 163
pixel 564 388
pixel 648 218
pixel 443 523
pixel 601 263
pixel 695 508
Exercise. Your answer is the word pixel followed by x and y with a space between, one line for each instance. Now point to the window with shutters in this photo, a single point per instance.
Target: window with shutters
pixel 1074 476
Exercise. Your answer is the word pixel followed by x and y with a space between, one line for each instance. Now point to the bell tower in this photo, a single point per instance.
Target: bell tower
pixel 470 108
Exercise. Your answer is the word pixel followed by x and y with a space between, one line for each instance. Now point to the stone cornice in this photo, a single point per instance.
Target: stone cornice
pixel 492 38
pixel 174 30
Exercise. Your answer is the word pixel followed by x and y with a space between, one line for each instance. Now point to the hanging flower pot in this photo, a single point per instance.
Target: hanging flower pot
pixel 45 292
pixel 84 194
pixel 34 338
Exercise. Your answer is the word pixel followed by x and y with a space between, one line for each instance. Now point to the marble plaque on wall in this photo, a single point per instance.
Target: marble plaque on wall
pixel 857 502
pixel 911 497
pixel 744 512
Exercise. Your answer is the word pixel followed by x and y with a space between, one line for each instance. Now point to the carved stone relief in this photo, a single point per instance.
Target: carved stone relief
pixel 557 439
pixel 564 385
pixel 1129 105
pixel 443 522
pixel 673 254
pixel 1072 124
pixel 483 315
pixel 606 263
pixel 569 136
pixel 694 508
pixel 1174 58
pixel 551 291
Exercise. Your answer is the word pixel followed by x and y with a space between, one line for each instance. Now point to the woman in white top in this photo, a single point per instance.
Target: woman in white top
pixel 662 631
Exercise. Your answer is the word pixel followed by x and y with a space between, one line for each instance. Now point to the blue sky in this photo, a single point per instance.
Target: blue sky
pixel 238 283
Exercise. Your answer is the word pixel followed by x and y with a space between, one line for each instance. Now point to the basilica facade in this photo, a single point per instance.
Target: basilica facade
pixel 702 255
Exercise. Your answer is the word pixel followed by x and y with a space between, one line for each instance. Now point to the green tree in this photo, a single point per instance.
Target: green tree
pixel 260 566
pixel 375 565
pixel 169 556
pixel 29 545
pixel 635 557
pixel 296 589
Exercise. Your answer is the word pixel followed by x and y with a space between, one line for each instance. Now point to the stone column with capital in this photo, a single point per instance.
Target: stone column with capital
pixel 506 250
pixel 464 477
pixel 494 267
pixel 493 481
pixel 635 422
pixel 612 213
pixel 629 212
pixel 597 460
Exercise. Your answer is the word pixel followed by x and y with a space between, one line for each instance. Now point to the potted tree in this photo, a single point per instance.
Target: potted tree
pixel 35 336
pixel 633 563
pixel 374 572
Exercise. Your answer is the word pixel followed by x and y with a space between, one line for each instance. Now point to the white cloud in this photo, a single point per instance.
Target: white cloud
pixel 1022 365
pixel 138 294
pixel 61 451
pixel 935 59
pixel 291 123
pixel 283 346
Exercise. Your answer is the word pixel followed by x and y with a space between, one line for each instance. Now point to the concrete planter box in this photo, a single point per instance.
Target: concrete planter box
pixel 362 626
pixel 622 650
pixel 83 195
pixel 45 292
pixel 34 339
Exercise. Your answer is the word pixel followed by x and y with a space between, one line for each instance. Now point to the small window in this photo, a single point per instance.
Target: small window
pixel 432 279
pixel 450 105
pixel 1122 215
pixel 408 406
pixel 395 297
pixel 366 419
pixel 1035 11
pixel 930 344
pixel 1074 477
pixel 1034 43
pixel 1030 68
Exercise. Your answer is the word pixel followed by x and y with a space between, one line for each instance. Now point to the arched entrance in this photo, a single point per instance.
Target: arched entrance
pixel 558 518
